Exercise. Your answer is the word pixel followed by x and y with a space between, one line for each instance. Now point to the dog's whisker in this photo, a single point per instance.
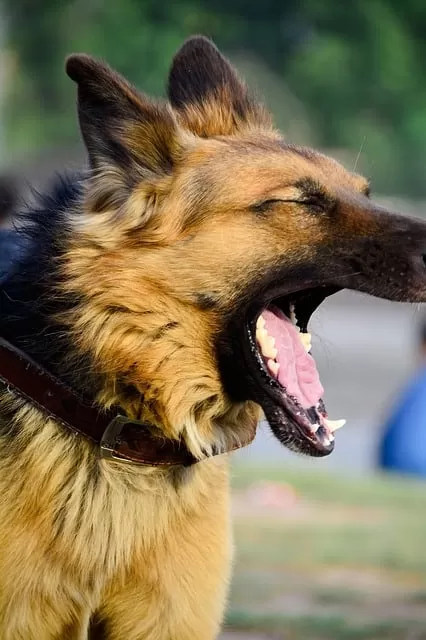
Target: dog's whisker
pixel 359 153
pixel 347 275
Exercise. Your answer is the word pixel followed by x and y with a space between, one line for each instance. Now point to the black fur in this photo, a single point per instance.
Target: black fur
pixel 199 69
pixel 206 301
pixel 29 300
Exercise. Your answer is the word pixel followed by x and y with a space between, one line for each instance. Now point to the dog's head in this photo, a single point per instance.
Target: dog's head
pixel 203 244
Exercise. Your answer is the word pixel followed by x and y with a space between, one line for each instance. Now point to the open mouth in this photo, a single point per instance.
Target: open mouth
pixel 288 386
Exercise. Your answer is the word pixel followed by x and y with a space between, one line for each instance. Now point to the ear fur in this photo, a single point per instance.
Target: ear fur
pixel 119 125
pixel 205 90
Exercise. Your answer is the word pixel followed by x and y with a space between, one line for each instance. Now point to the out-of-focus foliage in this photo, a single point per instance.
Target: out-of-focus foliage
pixel 355 68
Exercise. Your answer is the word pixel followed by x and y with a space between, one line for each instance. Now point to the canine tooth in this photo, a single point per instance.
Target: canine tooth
pixel 306 340
pixel 293 313
pixel 333 425
pixel 273 367
pixel 260 323
pixel 315 427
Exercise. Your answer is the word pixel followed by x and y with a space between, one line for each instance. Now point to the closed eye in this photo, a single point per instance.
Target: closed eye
pixel 265 205
pixel 316 202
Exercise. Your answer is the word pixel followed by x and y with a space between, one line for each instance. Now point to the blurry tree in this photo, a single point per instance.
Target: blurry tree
pixel 356 67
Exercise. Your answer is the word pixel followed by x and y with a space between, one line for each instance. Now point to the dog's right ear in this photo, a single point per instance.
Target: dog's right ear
pixel 207 93
pixel 122 129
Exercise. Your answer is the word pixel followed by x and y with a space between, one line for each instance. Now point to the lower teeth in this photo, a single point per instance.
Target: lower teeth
pixel 273 367
pixel 333 425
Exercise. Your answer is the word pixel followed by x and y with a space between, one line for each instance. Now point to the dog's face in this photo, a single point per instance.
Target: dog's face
pixel 204 245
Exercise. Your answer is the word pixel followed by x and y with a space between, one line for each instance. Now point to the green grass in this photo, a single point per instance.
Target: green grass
pixel 323 628
pixel 348 561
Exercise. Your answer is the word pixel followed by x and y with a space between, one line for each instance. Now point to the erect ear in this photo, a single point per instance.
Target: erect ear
pixel 120 126
pixel 207 93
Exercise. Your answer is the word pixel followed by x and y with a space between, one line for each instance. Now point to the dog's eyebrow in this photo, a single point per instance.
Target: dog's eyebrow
pixel 309 185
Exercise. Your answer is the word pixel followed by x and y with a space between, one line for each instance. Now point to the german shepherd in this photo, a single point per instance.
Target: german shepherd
pixel 173 279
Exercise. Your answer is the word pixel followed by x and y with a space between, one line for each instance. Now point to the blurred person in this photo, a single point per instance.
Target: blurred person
pixel 403 445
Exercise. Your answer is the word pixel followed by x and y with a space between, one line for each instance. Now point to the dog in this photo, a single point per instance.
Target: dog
pixel 161 307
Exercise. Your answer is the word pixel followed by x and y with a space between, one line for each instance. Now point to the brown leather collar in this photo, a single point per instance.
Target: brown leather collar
pixel 119 437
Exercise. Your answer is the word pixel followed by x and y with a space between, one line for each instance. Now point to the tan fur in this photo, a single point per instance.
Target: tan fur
pixel 82 546
pixel 146 552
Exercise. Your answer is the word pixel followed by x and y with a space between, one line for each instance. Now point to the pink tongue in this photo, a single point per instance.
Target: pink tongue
pixel 298 372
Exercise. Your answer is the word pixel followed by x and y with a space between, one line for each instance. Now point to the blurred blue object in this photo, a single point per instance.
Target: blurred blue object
pixel 403 447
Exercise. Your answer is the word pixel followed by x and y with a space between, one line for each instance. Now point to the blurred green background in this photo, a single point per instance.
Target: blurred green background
pixel 339 559
pixel 339 75
pixel 342 556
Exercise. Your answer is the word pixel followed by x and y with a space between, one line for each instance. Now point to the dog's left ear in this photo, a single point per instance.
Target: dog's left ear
pixel 123 130
pixel 207 93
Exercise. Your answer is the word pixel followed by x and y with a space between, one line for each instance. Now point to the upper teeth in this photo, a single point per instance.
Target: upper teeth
pixel 260 322
pixel 267 342
pixel 267 346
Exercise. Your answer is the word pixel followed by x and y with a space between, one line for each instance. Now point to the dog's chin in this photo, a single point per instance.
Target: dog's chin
pixel 282 374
